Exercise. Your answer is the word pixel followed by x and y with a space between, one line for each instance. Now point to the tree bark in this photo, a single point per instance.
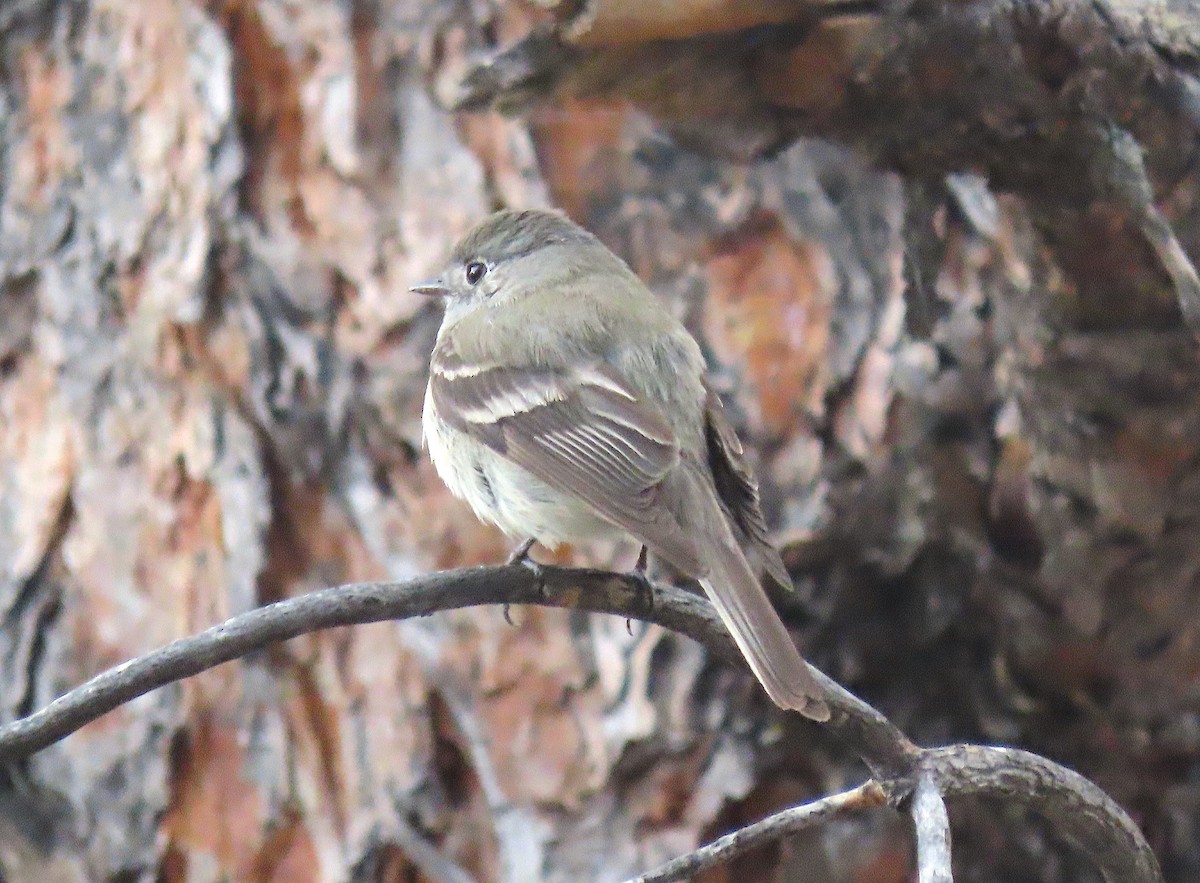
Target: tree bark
pixel 938 256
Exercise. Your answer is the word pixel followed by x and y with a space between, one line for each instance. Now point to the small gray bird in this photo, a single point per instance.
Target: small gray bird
pixel 566 404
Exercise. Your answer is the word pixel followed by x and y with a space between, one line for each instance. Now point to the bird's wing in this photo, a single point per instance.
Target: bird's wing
pixel 738 490
pixel 583 431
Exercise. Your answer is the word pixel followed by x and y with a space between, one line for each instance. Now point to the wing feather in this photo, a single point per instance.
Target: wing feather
pixel 582 431
pixel 738 490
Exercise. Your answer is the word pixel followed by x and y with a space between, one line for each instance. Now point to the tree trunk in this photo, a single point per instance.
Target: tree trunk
pixel 948 328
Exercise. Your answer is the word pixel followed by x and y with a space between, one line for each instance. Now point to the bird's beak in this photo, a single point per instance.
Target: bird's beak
pixel 433 288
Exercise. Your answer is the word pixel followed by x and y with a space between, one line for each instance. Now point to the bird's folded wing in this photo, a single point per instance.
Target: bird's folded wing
pixel 737 489
pixel 583 431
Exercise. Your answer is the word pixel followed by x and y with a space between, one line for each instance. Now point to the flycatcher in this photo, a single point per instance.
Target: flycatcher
pixel 565 404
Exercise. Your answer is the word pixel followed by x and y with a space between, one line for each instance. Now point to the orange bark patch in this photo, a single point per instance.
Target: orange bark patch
pixel 535 709
pixel 769 308
pixel 317 725
pixel 267 94
pixel 665 792
pixel 37 447
pixel 213 807
pixel 579 146
pixel 306 537
pixel 889 864
pixel 190 565
pixel 814 75
pixel 41 157
pixel 288 856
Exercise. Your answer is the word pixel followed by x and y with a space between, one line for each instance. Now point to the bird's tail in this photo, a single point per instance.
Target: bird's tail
pixel 760 634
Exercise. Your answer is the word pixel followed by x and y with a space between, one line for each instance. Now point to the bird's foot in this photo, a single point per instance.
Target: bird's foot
pixel 522 557
pixel 645 589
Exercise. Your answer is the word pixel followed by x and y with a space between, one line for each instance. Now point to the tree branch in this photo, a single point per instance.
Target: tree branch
pixel 931 825
pixel 1073 805
pixel 1070 802
pixel 782 824
pixel 855 723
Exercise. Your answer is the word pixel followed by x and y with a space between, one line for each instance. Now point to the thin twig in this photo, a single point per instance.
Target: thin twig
pixel 931 825
pixel 782 824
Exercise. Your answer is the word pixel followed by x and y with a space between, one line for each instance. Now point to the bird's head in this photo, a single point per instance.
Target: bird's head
pixel 511 254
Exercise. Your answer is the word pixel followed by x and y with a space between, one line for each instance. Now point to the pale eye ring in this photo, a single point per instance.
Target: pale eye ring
pixel 475 271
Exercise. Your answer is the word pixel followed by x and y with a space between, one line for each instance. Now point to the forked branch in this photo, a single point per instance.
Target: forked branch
pixel 904 775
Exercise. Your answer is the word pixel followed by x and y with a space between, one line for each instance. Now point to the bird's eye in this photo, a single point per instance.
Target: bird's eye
pixel 475 272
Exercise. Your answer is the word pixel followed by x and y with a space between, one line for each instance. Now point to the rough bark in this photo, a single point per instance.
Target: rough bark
pixel 952 330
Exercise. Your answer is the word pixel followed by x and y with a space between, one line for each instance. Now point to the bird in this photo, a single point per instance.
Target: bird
pixel 565 403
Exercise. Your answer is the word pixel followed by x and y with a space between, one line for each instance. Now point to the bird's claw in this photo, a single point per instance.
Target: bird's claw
pixel 522 557
pixel 645 588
